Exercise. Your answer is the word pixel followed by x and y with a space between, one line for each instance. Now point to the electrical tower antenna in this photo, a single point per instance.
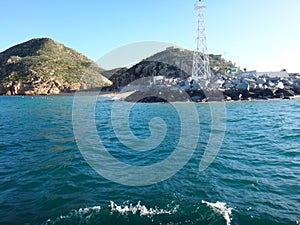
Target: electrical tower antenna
pixel 201 69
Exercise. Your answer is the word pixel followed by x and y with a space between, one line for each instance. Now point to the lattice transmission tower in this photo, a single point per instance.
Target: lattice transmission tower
pixel 201 70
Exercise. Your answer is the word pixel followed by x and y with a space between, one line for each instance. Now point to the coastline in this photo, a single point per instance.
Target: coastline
pixel 296 97
pixel 124 95
pixel 117 94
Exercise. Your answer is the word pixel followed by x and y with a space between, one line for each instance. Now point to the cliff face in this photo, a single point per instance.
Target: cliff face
pixel 42 66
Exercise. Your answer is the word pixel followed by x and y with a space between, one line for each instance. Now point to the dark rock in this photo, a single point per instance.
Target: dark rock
pixel 297 89
pixel 264 93
pixel 159 95
pixel 233 94
pixel 282 93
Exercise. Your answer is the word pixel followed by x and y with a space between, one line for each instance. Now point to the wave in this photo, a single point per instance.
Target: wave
pixel 221 207
pixel 142 210
pixel 128 213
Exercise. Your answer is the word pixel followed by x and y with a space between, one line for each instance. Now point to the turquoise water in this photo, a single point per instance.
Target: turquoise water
pixel 44 179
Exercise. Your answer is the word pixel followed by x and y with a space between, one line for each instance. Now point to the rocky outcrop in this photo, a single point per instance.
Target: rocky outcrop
pixel 44 67
pixel 160 73
pixel 159 94
pixel 172 63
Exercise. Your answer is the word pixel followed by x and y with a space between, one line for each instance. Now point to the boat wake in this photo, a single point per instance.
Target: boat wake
pixel 128 213
pixel 221 208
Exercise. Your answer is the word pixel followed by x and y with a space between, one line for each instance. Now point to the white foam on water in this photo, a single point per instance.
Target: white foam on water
pixel 142 210
pixel 80 212
pixel 138 209
pixel 89 209
pixel 221 208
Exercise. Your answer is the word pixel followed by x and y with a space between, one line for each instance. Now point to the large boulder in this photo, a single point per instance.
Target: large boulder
pixel 283 93
pixel 243 86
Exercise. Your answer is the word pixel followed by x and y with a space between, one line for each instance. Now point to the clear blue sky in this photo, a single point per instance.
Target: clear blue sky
pixel 258 34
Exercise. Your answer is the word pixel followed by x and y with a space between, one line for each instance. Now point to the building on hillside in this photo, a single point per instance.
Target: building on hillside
pixel 215 57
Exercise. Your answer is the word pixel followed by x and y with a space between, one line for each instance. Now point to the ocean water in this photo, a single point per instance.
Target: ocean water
pixel 45 179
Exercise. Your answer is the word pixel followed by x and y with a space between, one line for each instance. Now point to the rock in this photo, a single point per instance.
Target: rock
pixel 43 90
pixel 29 92
pixel 197 98
pixel 288 82
pixel 228 85
pixel 280 85
pixel 194 87
pixel 249 80
pixel 232 94
pixel 261 80
pixel 184 85
pixel 228 98
pixel 75 87
pixel 296 88
pixel 158 95
pixel 243 86
pixel 282 93
pixel 147 69
pixel 54 90
pixel 271 84
pixel 4 89
pixel 253 86
pixel 220 82
pixel 265 93
pixel 139 69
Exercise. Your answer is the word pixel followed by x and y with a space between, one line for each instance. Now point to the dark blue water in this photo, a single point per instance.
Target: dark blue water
pixel 44 179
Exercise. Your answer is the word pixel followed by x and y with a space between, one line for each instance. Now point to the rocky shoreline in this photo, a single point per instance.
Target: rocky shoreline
pixel 169 95
pixel 253 85
pixel 45 67
pixel 241 87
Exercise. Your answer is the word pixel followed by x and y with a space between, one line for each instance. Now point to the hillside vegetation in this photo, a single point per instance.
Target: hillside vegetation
pixel 43 66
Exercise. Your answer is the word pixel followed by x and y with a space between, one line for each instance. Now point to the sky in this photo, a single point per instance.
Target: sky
pixel 260 35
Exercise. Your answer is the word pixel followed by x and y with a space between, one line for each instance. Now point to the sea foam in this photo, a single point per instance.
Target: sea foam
pixel 221 208
pixel 142 210
pixel 80 213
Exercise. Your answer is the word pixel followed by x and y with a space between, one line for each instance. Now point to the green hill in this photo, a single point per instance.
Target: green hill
pixel 43 66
